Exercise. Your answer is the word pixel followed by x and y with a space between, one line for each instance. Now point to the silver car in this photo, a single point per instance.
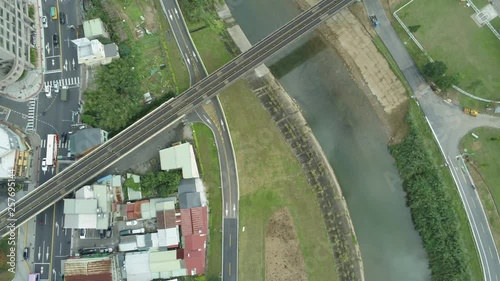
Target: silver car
pixel 56 87
pixel 44 22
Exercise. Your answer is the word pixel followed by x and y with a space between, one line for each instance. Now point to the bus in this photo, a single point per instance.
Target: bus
pixel 52 146
pixel 53 13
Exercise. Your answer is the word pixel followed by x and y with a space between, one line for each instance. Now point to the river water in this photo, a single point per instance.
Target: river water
pixel 353 139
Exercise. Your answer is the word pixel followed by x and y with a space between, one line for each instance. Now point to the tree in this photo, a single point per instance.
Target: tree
pixel 161 184
pixel 446 81
pixel 435 69
pixel 414 28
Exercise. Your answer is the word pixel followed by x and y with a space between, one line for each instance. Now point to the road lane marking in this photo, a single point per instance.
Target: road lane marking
pixel 474 203
pixel 229 269
pixel 491 253
pixel 230 239
pixel 52 248
pixel 482 226
pixel 472 222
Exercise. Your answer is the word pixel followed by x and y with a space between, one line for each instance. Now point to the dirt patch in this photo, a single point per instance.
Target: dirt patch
pixel 117 14
pixel 284 259
pixel 150 15
pixel 476 145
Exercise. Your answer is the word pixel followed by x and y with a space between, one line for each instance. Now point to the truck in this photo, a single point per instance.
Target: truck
pixel 374 20
pixel 64 93
pixel 126 232
pixel 471 112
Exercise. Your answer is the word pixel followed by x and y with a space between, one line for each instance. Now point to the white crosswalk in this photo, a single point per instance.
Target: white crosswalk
pixel 64 82
pixel 60 145
pixel 31 114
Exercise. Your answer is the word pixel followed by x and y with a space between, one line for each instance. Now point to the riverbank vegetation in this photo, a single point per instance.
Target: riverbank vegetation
pixel 436 208
pixel 206 151
pixel 482 157
pixel 270 180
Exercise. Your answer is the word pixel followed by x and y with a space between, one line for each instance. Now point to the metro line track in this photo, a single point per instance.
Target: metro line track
pixel 105 155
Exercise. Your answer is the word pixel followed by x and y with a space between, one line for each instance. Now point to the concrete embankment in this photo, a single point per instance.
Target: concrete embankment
pixel 287 116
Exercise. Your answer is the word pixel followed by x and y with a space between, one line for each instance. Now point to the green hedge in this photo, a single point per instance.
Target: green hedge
pixel 430 207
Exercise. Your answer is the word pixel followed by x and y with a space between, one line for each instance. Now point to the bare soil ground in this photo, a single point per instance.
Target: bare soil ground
pixel 284 260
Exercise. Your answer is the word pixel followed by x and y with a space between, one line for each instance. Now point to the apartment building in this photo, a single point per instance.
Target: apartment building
pixel 15 32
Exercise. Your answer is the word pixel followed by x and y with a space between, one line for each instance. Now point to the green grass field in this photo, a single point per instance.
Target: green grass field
pixel 271 178
pixel 449 34
pixel 209 161
pixel 484 167
pixel 211 48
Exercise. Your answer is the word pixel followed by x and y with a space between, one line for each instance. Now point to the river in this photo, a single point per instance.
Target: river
pixel 353 139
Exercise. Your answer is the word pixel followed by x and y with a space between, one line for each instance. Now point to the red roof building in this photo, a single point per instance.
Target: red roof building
pixel 194 228
pixel 194 221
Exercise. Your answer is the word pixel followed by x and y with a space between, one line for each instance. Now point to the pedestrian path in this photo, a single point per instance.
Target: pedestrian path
pixel 64 82
pixel 30 126
pixel 60 145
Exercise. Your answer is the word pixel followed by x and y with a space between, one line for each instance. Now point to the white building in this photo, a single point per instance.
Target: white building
pixel 180 157
pixel 15 32
pixel 93 52
pixel 91 208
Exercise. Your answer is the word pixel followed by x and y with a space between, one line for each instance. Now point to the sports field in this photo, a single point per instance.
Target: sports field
pixel 449 34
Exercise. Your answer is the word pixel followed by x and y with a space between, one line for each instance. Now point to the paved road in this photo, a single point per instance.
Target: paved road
pixel 55 116
pixel 161 118
pixel 450 125
pixel 229 177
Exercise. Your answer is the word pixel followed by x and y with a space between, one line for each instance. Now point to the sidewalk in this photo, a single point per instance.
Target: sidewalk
pixel 25 238
pixel 33 83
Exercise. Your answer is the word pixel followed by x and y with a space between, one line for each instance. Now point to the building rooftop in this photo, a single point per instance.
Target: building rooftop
pixel 9 143
pixel 166 219
pixel 80 206
pixel 137 266
pixel 96 269
pixel 94 28
pixel 180 157
pixel 111 50
pixel 164 262
pixel 82 141
pixel 90 209
pixel 194 221
pixel 168 237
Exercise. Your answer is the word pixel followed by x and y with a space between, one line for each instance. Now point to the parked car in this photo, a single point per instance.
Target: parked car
pixel 62 18
pixel 26 253
pixel 131 223
pixel 82 233
pixel 55 39
pixel 44 22
pixel 101 233
pixel 109 233
pixel 44 165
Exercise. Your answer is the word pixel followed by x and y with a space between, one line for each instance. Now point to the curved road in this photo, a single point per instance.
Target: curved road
pixel 227 161
pixel 449 124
